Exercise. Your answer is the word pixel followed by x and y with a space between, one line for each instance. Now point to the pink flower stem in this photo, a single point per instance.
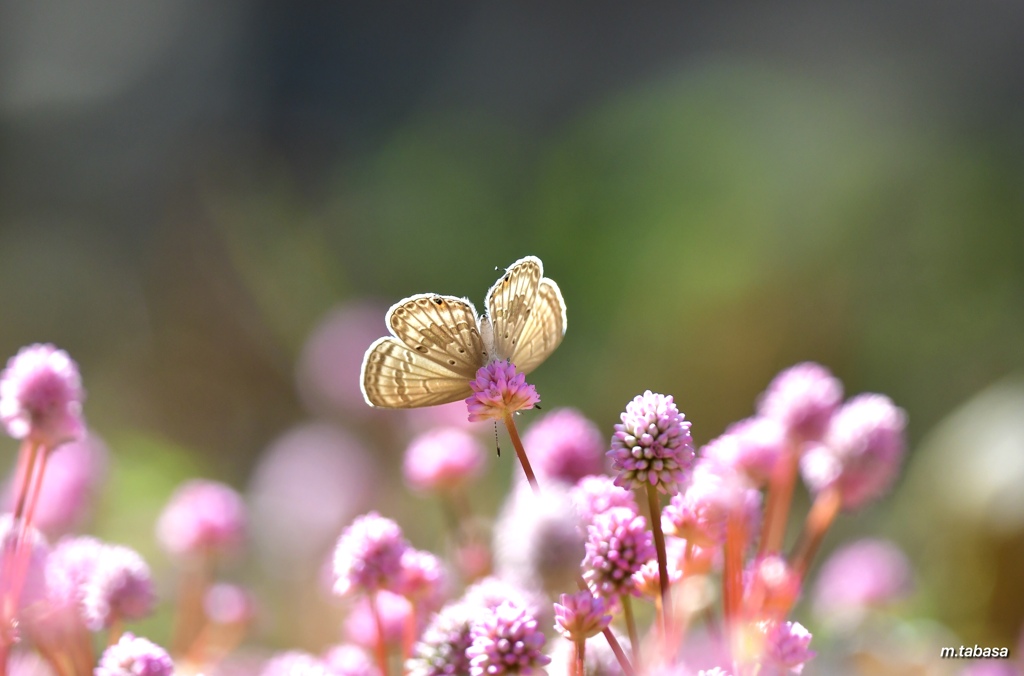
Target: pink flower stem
pixel 190 615
pixel 37 488
pixel 581 647
pixel 510 425
pixel 659 543
pixel 780 495
pixel 409 633
pixel 732 578
pixel 116 629
pixel 634 640
pixel 380 648
pixel 819 519
pixel 26 463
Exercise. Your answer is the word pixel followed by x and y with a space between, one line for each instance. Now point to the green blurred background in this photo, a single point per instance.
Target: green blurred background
pixel 187 190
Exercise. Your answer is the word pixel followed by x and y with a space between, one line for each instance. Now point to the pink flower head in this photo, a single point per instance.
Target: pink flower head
pixel 349 660
pixel 751 447
pixel 119 586
pixel 368 556
pixel 226 603
pixel 202 517
pixel 135 656
pixel 506 641
pixel 618 544
pixel 565 446
pixel 441 650
pixel 771 587
pixel 593 495
pixel 41 396
pixel 861 576
pixel 861 452
pixel 701 511
pixel 69 568
pixel 423 578
pixel 581 615
pixel 499 391
pixel 652 444
pixel 786 648
pixel 802 398
pixel 648 578
pixel 443 459
pixel 74 472
pixel 394 612
pixel 491 592
pixel 537 543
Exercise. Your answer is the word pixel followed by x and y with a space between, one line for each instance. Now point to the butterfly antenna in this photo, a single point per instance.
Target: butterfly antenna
pixel 496 446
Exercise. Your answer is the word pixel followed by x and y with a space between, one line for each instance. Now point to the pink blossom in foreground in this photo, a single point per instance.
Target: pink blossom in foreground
pixel 499 391
pixel 135 656
pixel 441 650
pixel 368 556
pixel 618 544
pixel 506 641
pixel 41 396
pixel 652 445
pixel 861 576
pixel 581 615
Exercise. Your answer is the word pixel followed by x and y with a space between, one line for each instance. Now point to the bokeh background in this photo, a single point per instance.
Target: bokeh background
pixel 210 206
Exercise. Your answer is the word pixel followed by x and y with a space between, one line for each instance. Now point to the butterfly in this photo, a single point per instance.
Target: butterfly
pixel 438 343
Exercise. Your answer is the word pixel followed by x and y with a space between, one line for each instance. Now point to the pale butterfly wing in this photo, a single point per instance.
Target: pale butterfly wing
pixel 510 303
pixel 544 328
pixel 436 351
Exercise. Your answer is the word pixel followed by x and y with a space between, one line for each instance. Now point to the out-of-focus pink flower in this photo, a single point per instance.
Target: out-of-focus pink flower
pixel 28 663
pixel 41 396
pixel 618 544
pixel 581 615
pixel 861 576
pixel 135 656
pixel 328 368
pixel 368 556
pixel 119 586
pixel 648 578
pixel 861 453
pixel 74 473
pixel 537 543
pixel 310 482
pixel 802 398
pixel 68 568
pixel 202 518
pixel 295 663
pixel 349 660
pixel 652 445
pixel 443 459
pixel 750 446
pixel 715 492
pixel 423 579
pixel 394 610
pixel 226 603
pixel 771 587
pixel 593 495
pixel 499 390
pixel 506 641
pixel 565 446
pixel 491 592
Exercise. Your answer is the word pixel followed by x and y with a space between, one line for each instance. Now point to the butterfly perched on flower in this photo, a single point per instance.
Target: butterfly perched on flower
pixel 439 342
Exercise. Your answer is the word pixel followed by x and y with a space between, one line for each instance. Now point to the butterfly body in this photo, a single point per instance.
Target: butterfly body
pixel 438 343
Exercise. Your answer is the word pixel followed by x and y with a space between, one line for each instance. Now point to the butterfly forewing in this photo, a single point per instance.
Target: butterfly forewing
pixel 544 328
pixel 441 329
pixel 510 303
pixel 395 376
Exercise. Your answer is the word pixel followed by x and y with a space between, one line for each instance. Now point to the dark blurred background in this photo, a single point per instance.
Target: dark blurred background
pixel 189 190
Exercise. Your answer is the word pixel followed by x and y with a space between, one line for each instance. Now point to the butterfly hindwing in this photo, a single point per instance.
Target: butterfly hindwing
pixel 544 328
pixel 395 376
pixel 510 303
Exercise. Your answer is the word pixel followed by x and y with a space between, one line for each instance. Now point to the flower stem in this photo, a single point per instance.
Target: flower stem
pixel 26 463
pixel 380 647
pixel 659 543
pixel 581 647
pixel 780 495
pixel 627 609
pixel 819 519
pixel 513 433
pixel 732 579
